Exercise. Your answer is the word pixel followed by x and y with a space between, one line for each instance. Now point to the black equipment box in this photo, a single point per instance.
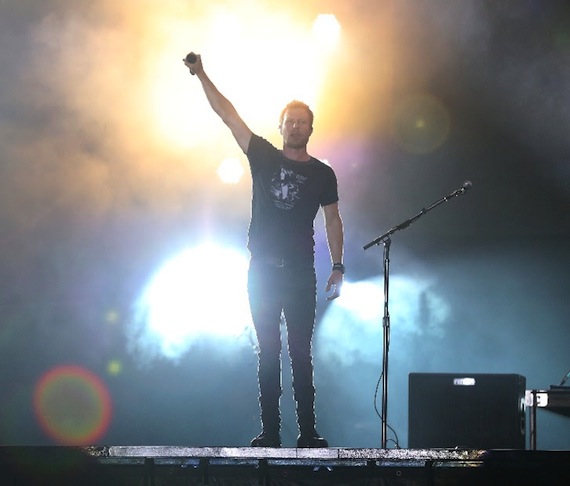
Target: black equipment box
pixel 466 410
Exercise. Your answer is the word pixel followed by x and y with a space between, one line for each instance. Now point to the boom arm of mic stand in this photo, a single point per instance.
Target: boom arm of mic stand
pixel 408 222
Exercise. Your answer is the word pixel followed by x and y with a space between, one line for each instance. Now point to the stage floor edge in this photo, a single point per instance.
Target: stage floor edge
pixel 178 465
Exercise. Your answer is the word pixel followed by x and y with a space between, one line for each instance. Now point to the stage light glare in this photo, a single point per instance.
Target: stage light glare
pixel 230 171
pixel 326 30
pixel 415 309
pixel 201 292
pixel 255 39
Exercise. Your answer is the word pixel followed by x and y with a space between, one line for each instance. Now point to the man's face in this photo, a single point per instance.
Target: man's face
pixel 296 128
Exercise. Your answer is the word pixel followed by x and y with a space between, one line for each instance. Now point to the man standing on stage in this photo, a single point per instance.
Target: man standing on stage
pixel 289 187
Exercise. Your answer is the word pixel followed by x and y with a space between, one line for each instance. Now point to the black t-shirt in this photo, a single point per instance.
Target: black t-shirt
pixel 286 198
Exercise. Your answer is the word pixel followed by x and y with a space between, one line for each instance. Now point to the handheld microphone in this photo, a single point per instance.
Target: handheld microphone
pixel 191 58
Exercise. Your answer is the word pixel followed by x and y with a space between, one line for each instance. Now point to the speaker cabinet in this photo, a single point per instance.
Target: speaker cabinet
pixel 470 411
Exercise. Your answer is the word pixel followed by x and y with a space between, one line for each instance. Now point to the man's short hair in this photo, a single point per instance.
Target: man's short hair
pixel 296 104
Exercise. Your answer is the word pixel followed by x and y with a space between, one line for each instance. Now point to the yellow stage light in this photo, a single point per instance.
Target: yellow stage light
pixel 230 171
pixel 259 58
pixel 326 29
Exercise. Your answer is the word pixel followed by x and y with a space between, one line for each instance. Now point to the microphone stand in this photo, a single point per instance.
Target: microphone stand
pixel 386 241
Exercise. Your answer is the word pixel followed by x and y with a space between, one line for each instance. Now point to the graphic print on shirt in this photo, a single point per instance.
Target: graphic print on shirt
pixel 285 188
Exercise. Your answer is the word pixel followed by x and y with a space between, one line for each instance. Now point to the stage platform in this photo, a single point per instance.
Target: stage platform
pixel 164 465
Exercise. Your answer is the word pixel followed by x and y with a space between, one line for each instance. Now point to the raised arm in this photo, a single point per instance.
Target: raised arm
pixel 221 105
pixel 335 238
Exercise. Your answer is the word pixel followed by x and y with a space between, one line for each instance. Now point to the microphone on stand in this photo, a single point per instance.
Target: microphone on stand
pixel 464 188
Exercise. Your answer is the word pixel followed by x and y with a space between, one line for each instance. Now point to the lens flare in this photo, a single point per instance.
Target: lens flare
pixel 72 405
pixel 420 123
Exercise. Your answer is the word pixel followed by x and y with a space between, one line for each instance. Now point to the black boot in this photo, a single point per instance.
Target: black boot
pixel 308 436
pixel 312 439
pixel 267 439
pixel 271 423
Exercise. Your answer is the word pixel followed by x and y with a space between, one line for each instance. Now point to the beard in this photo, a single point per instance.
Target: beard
pixel 296 141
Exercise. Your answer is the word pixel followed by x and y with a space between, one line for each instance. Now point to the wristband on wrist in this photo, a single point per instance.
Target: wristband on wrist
pixel 339 267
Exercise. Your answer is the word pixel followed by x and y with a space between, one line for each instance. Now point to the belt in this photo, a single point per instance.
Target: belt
pixel 281 262
pixel 277 262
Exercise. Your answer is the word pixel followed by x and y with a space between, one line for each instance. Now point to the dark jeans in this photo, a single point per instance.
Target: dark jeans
pixel 275 288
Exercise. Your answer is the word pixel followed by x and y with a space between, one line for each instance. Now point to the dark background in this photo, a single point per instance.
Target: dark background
pixel 478 285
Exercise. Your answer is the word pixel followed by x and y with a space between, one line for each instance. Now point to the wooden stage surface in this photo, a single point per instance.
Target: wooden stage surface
pixel 174 465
